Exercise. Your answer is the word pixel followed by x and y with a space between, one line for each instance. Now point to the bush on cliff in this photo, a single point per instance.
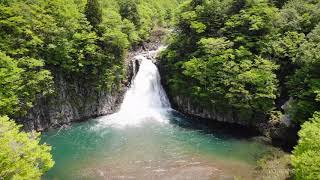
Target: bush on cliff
pixel 21 155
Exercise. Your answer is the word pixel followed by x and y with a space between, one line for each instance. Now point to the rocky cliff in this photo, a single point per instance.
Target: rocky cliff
pixel 221 114
pixel 74 99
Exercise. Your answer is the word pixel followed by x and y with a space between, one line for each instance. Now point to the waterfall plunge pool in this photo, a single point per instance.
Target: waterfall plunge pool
pixel 146 139
pixel 150 150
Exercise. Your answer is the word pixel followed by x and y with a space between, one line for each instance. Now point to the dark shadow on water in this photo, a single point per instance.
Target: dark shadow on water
pixel 219 129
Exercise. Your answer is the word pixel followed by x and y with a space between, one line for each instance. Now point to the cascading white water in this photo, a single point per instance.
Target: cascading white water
pixel 146 91
pixel 145 99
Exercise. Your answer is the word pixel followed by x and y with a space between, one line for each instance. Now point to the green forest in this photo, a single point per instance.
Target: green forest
pixel 252 56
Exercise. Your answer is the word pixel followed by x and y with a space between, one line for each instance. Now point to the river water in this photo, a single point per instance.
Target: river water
pixel 147 139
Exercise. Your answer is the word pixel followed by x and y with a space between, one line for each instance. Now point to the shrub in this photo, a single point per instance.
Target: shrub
pixel 21 155
pixel 306 160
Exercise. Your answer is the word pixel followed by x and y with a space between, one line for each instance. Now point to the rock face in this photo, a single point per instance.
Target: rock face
pixel 228 115
pixel 73 100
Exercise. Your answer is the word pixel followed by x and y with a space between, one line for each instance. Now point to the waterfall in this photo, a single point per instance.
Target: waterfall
pixel 146 90
pixel 145 100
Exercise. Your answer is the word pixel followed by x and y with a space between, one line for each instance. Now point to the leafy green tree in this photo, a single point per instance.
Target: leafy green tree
pixel 129 10
pixel 305 84
pixel 10 81
pixel 306 160
pixel 21 155
pixel 251 25
pixel 299 15
pixel 93 12
pixel 21 81
pixel 233 76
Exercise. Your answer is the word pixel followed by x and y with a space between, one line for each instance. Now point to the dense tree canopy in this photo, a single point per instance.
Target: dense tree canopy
pixel 247 54
pixel 305 83
pixel 217 47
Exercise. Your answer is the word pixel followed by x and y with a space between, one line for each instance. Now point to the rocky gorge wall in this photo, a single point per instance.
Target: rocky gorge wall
pixel 227 114
pixel 73 100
